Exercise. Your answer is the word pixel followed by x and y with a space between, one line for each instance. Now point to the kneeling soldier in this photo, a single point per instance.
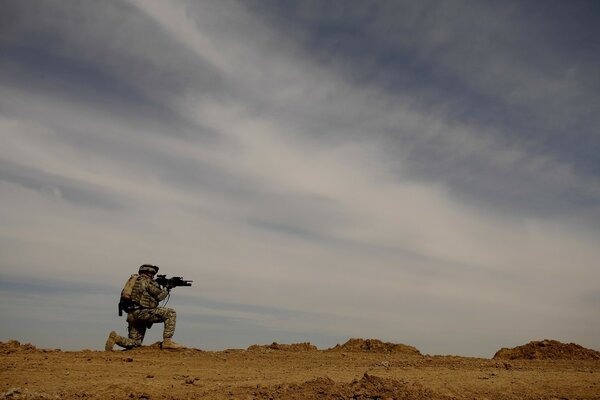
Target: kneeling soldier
pixel 143 311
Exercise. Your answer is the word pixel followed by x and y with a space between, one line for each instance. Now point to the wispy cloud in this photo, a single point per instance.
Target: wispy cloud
pixel 209 139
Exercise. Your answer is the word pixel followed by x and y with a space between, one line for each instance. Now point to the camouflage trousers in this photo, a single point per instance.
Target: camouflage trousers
pixel 140 320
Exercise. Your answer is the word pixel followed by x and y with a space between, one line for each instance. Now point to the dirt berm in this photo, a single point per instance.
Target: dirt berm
pixel 547 350
pixel 14 346
pixel 377 346
pixel 368 387
pixel 283 347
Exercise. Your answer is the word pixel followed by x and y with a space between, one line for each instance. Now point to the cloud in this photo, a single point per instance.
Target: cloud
pixel 510 76
pixel 302 202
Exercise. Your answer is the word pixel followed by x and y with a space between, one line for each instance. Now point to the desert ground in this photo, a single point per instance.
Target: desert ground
pixel 358 369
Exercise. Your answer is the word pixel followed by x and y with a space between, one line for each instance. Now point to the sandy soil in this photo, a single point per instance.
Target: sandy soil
pixel 286 372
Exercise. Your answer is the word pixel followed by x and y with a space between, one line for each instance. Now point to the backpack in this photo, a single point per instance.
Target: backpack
pixel 126 302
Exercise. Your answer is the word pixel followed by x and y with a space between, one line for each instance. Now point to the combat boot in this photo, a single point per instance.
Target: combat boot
pixel 168 344
pixel 111 341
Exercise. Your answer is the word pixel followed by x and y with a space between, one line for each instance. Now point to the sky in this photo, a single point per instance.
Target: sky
pixel 424 173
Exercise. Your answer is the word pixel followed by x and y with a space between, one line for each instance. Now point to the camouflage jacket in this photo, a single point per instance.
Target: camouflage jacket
pixel 147 293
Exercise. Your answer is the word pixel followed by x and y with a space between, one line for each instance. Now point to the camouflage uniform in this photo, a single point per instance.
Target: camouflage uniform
pixel 146 294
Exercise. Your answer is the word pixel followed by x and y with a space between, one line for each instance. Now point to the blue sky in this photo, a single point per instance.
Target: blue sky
pixel 419 172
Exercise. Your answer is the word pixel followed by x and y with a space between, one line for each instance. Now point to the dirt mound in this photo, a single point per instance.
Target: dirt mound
pixel 547 350
pixel 376 346
pixel 283 347
pixel 368 387
pixel 14 346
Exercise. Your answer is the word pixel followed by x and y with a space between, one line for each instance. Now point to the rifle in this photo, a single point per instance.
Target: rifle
pixel 170 283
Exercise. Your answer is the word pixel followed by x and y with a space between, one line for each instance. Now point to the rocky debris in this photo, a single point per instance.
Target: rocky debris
pixel 376 346
pixel 547 350
pixel 14 346
pixel 284 347
pixel 368 387
pixel 157 346
pixel 17 394
pixel 189 380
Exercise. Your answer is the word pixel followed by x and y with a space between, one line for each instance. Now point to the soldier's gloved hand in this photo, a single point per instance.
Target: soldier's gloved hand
pixel 170 286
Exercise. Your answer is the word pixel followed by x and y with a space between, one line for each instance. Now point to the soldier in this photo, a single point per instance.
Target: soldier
pixel 144 311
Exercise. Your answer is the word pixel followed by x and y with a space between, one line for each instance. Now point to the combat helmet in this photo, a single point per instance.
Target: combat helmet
pixel 148 268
